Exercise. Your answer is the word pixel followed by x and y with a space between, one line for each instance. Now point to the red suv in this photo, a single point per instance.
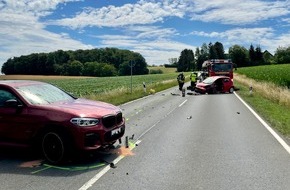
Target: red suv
pixel 41 115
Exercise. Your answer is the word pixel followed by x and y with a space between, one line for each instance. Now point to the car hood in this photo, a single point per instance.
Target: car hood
pixel 202 84
pixel 85 108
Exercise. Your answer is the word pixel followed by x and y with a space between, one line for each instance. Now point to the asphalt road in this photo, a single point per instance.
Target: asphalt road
pixel 175 142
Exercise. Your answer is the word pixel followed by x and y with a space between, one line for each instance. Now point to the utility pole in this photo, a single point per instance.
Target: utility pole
pixel 131 64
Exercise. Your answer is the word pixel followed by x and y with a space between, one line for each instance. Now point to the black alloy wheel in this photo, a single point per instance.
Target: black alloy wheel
pixel 53 147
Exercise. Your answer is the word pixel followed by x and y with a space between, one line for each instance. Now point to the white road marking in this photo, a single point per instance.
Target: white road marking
pixel 182 103
pixel 93 180
pixel 148 130
pixel 137 142
pixel 277 137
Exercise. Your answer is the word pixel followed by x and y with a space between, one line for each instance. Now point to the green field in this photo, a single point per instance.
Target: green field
pixel 115 90
pixel 86 86
pixel 277 74
pixel 163 69
pixel 93 85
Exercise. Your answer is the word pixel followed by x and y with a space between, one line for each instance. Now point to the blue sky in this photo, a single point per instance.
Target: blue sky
pixel 158 30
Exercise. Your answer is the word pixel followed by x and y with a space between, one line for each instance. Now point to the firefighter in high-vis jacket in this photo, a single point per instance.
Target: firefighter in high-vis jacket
pixel 193 80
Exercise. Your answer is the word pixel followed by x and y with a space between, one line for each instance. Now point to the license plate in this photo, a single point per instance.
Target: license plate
pixel 116 131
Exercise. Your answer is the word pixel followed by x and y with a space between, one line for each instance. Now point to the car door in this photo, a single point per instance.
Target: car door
pixel 227 84
pixel 15 124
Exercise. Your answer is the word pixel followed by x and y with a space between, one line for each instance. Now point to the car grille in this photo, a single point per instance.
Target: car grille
pixel 110 121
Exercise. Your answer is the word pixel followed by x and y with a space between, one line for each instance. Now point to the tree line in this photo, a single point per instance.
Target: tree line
pixel 95 62
pixel 116 62
pixel 240 56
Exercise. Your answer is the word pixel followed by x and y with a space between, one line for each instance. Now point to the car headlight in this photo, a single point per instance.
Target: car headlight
pixel 84 122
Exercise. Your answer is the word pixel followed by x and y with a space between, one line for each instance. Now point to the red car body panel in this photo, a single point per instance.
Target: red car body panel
pixel 20 126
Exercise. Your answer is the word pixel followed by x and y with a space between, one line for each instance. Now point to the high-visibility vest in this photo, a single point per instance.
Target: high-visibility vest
pixel 193 77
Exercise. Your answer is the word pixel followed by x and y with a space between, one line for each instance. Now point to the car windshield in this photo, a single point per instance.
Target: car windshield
pixel 222 67
pixel 208 80
pixel 43 94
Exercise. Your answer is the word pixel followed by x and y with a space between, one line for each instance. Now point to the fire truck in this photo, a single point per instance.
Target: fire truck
pixel 217 67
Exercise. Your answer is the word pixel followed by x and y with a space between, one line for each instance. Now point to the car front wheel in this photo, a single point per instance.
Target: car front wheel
pixel 53 147
pixel 231 90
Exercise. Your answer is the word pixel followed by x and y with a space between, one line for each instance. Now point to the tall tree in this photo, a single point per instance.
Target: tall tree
pixel 186 61
pixel 219 50
pixel 59 62
pixel 282 55
pixel 198 61
pixel 252 55
pixel 212 51
pixel 201 55
pixel 75 68
pixel 259 56
pixel 239 55
pixel 204 51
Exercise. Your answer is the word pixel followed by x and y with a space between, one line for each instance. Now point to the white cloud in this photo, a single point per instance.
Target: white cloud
pixel 264 37
pixel 233 12
pixel 272 44
pixel 151 32
pixel 22 40
pixel 240 35
pixel 129 14
pixel 21 33
pixel 32 7
pixel 286 20
pixel 238 12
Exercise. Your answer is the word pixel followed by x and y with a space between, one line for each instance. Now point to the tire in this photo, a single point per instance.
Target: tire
pixel 54 147
pixel 212 91
pixel 231 90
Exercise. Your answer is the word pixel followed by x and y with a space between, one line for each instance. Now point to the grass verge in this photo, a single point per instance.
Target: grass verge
pixel 123 95
pixel 275 112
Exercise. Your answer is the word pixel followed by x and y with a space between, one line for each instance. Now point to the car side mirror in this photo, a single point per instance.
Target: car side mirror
pixel 12 103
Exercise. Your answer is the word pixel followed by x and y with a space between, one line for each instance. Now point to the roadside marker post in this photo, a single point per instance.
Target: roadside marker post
pixel 144 87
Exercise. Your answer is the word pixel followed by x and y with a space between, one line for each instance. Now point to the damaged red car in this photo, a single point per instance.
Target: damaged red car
pixel 40 115
pixel 215 84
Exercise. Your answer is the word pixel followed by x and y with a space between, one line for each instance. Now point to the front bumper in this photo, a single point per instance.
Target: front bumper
pixel 96 139
pixel 200 90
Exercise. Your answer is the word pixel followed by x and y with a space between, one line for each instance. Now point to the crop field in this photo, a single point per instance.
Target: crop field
pixel 163 69
pixel 87 86
pixel 84 86
pixel 277 74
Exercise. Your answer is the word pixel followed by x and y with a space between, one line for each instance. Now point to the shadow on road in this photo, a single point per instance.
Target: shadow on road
pixel 25 162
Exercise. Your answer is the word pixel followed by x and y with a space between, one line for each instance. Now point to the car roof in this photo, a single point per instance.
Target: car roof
pixel 17 83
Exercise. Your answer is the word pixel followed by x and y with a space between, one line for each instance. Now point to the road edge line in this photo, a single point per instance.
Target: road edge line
pixel 276 136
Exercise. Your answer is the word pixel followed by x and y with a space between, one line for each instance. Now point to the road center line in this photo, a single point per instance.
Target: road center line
pixel 96 177
pixel 277 137
pixel 182 103
pixel 93 180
